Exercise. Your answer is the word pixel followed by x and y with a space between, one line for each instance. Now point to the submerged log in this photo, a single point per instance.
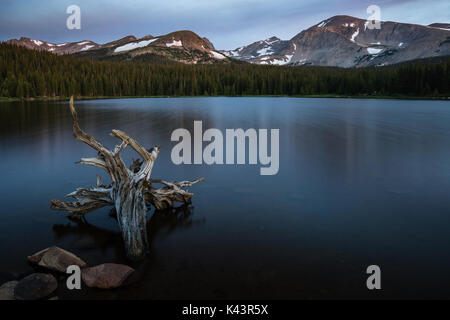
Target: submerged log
pixel 132 191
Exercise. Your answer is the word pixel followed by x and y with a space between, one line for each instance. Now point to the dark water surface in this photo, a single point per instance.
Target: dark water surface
pixel 361 182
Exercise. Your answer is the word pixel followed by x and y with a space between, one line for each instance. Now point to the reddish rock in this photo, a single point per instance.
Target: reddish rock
pixel 57 259
pixel 106 276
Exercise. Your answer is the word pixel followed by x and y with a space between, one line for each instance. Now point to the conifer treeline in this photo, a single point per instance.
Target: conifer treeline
pixel 29 73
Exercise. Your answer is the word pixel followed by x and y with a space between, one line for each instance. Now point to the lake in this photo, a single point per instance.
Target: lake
pixel 360 182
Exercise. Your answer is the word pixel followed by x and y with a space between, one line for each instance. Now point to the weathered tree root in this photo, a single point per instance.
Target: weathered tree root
pixel 132 192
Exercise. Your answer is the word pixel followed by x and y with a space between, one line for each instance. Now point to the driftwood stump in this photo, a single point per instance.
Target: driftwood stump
pixel 132 192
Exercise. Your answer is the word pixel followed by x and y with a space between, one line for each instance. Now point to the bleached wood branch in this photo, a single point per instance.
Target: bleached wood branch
pixel 86 200
pixel 131 191
pixel 96 162
pixel 172 192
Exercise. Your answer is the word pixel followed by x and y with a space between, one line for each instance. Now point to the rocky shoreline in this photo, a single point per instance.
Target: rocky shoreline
pixel 42 286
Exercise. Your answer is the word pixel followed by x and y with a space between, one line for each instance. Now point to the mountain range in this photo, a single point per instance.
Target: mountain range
pixel 181 46
pixel 341 41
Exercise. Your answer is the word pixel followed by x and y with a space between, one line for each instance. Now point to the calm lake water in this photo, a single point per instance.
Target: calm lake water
pixel 361 182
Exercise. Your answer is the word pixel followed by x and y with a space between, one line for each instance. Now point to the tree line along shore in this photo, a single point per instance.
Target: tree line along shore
pixel 28 74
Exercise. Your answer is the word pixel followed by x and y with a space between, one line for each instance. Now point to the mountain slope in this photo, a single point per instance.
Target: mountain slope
pixel 346 41
pixel 445 26
pixel 253 52
pixel 181 46
pixel 58 48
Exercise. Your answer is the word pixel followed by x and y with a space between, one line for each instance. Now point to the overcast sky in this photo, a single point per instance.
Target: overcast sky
pixel 227 23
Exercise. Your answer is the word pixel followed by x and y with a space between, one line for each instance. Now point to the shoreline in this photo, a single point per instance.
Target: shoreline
pixel 328 96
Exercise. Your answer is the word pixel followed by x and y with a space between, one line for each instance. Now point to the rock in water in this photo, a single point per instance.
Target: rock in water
pixel 35 286
pixel 57 259
pixel 106 276
pixel 7 290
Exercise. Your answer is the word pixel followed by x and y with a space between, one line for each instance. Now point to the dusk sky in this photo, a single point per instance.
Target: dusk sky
pixel 227 23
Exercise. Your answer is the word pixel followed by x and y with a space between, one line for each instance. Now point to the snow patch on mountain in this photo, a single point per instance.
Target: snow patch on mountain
pixel 354 35
pixel 280 62
pixel 175 44
pixel 134 45
pixel 323 24
pixel 217 55
pixel 231 53
pixel 264 51
pixel 37 42
pixel 271 42
pixel 374 50
pixel 87 47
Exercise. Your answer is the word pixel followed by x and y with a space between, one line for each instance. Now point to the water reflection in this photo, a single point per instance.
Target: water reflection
pixel 360 181
pixel 88 237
